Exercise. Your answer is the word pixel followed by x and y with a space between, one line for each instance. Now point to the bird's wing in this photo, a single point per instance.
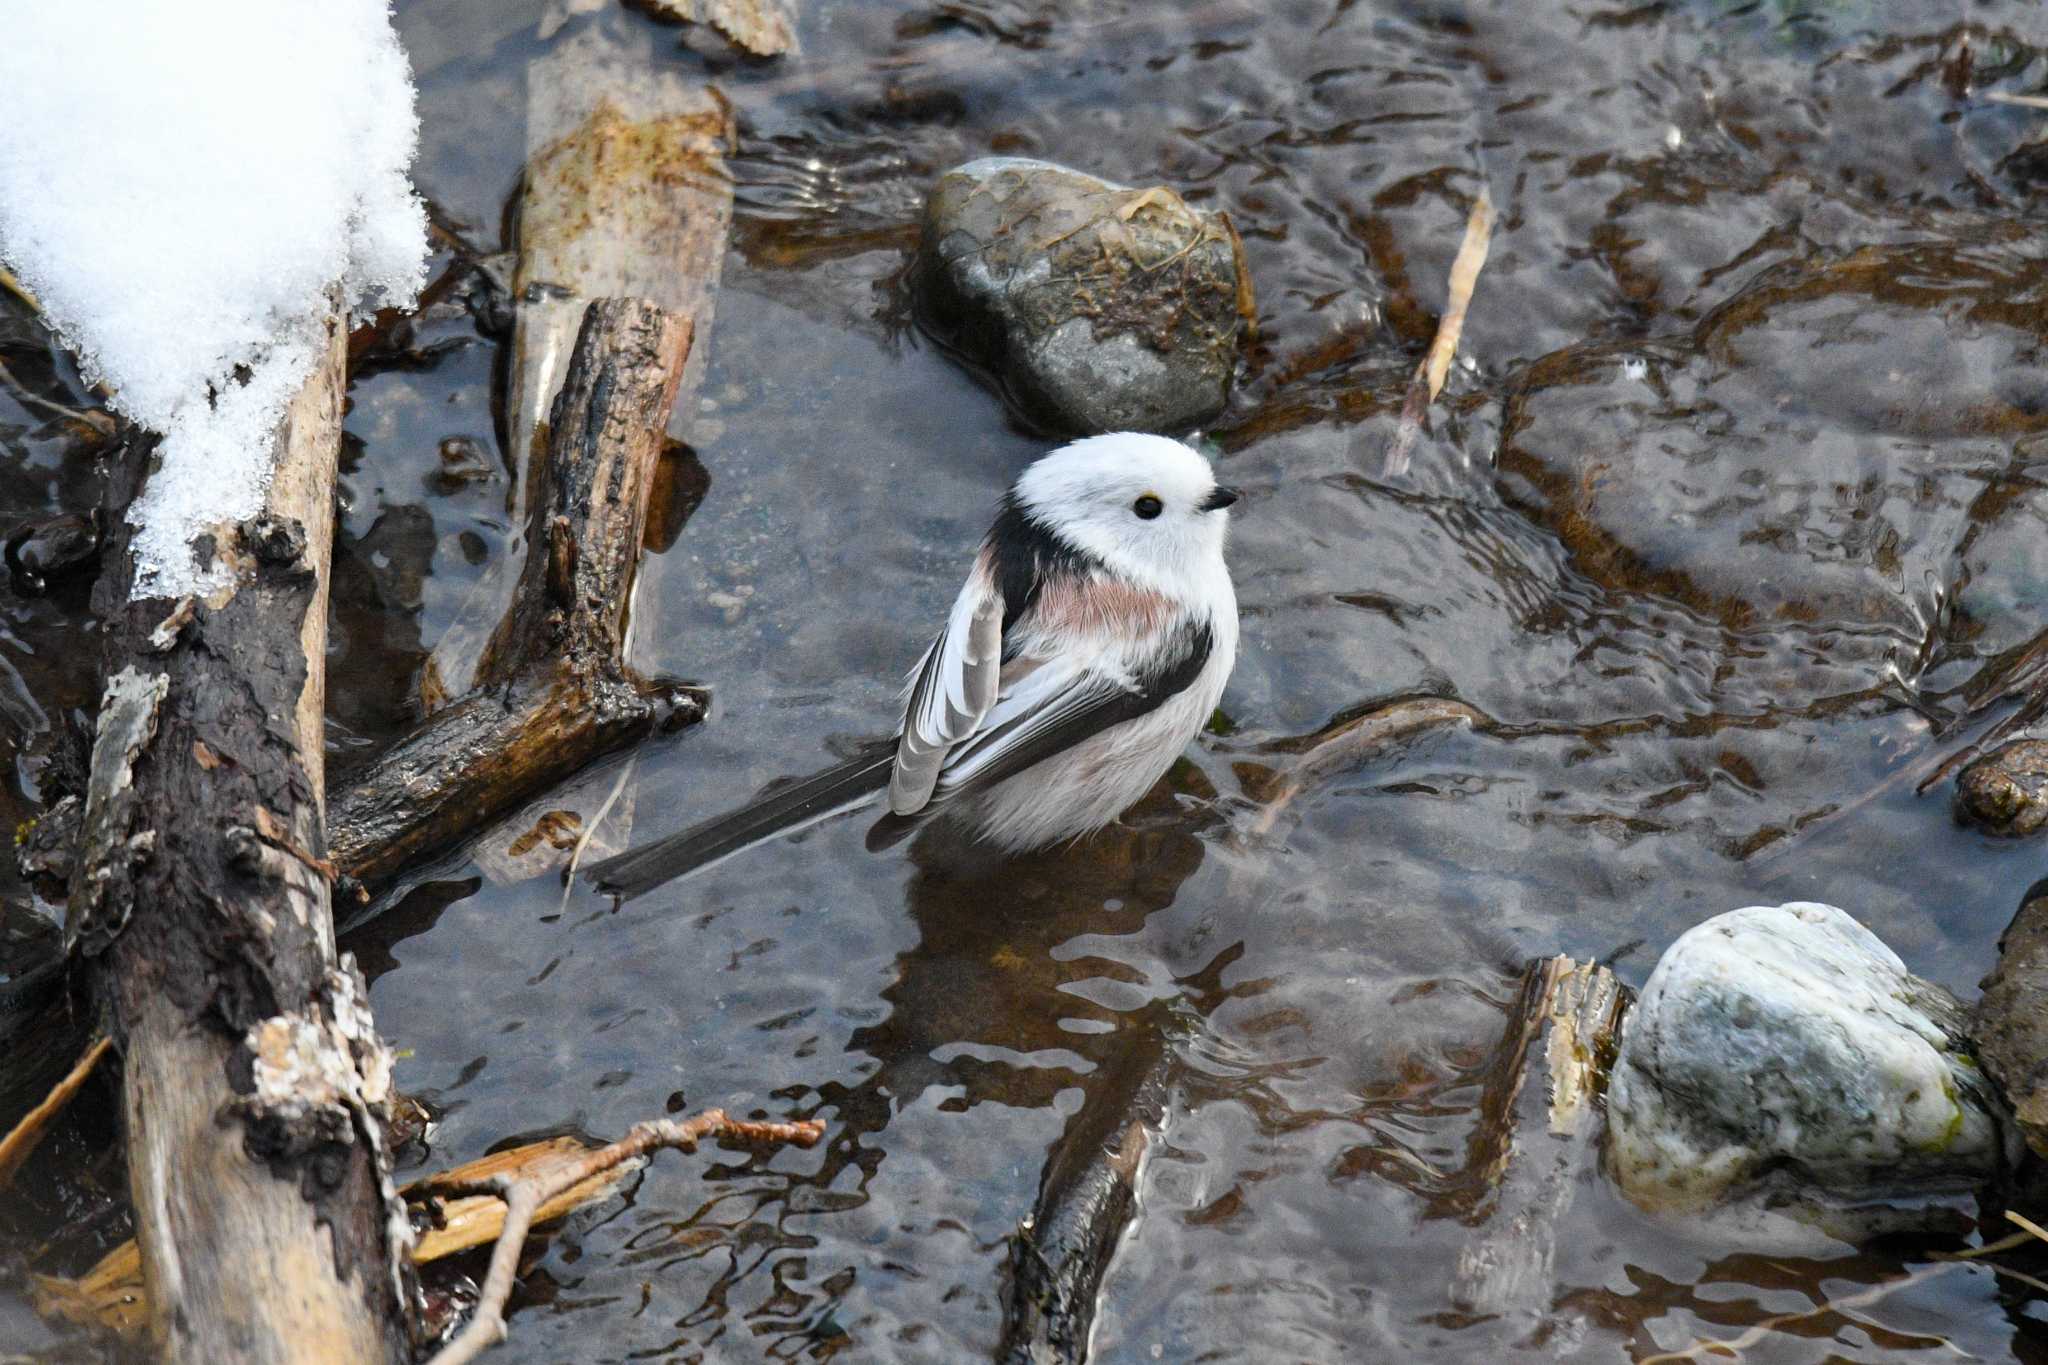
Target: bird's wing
pixel 1065 701
pixel 951 692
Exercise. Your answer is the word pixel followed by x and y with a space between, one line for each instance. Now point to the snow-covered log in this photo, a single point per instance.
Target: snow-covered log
pixel 256 1091
pixel 196 202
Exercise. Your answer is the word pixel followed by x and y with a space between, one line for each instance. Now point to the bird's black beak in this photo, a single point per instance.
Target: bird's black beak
pixel 1221 498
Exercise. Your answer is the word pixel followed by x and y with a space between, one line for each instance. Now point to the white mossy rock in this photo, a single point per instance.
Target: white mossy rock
pixel 1785 1050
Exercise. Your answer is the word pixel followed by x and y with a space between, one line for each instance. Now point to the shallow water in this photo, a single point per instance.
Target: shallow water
pixel 1735 491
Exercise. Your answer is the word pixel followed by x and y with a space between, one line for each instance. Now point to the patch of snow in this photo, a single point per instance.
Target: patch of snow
pixel 185 189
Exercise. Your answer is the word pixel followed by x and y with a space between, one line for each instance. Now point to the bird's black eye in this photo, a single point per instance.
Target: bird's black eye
pixel 1148 507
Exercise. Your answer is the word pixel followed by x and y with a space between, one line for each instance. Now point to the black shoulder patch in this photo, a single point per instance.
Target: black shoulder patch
pixel 1025 552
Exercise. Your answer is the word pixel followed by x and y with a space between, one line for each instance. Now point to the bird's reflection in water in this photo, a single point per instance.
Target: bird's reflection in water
pixel 988 1003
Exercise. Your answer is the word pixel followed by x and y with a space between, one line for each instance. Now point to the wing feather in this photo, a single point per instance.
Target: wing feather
pixel 954 689
pixel 1057 707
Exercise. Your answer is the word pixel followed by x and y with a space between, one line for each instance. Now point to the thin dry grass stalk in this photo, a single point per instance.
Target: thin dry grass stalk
pixel 1733 1348
pixel 526 1197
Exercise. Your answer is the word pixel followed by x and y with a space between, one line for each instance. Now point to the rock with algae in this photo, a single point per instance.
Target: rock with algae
pixel 1095 306
pixel 1784 1051
pixel 2006 791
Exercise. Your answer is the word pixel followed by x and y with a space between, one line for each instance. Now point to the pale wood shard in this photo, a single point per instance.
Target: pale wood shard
pixel 1540 1140
pixel 111 1295
pixel 1464 276
pixel 626 195
pixel 528 1195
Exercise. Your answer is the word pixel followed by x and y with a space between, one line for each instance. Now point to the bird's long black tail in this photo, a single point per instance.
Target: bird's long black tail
pixel 853 783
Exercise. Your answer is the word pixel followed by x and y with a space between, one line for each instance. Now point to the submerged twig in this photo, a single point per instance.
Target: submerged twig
pixel 524 1197
pixel 1733 1347
pixel 27 1135
pixel 2024 101
pixel 1343 746
pixel 1430 374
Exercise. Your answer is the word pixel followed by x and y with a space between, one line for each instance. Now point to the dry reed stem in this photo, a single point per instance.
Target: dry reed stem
pixel 28 1134
pixel 1436 365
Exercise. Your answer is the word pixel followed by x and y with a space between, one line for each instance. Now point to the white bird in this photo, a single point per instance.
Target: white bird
pixel 1090 642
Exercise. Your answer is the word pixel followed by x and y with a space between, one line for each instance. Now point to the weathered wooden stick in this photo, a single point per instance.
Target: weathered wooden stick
pixel 1539 1141
pixel 1087 1199
pixel 525 1197
pixel 626 195
pixel 553 691
pixel 255 1088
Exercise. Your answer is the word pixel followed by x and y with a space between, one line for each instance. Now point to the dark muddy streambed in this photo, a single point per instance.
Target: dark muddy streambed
pixel 1732 507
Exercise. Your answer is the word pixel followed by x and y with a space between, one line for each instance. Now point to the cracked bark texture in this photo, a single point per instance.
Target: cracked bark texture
pixel 254 1089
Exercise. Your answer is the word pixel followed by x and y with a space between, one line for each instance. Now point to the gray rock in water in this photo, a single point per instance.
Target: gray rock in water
pixel 1788 1042
pixel 1095 306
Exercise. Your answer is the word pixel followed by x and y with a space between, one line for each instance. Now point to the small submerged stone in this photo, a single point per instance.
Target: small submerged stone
pixel 1095 306
pixel 40 553
pixel 1786 1051
pixel 2006 791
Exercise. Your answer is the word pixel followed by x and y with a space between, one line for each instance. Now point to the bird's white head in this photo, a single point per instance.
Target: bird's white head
pixel 1148 507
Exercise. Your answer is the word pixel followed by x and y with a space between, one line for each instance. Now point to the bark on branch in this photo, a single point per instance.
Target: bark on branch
pixel 553 691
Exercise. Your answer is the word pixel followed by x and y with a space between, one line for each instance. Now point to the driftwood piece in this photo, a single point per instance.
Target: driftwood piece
pixel 553 691
pixel 1087 1200
pixel 255 1088
pixel 2009 1026
pixel 1539 1137
pixel 626 195
pixel 1301 765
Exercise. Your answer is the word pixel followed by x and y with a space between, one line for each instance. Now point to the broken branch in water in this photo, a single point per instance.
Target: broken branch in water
pixel 1087 1201
pixel 553 690
pixel 1539 1141
pixel 1430 374
pixel 1732 1349
pixel 1339 747
pixel 28 1134
pixel 525 1197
